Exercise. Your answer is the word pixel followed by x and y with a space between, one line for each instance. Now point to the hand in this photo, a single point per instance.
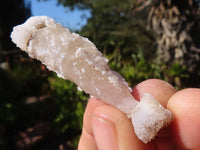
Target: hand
pixel 107 128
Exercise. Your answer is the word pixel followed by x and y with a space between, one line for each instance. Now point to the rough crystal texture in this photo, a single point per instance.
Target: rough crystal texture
pixel 148 117
pixel 77 59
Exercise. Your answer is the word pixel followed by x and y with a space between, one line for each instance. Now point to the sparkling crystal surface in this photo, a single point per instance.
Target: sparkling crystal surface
pixel 76 58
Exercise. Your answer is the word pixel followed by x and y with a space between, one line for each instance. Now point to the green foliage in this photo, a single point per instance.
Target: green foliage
pixel 69 104
pixel 113 26
pixel 176 74
pixel 135 70
pixel 176 70
pixel 23 80
pixel 120 35
pixel 139 69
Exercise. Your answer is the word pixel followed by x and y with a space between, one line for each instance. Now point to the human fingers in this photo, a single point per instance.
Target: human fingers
pixel 105 121
pixel 102 134
pixel 146 86
pixel 162 91
pixel 123 127
pixel 87 141
pixel 185 104
pixel 114 131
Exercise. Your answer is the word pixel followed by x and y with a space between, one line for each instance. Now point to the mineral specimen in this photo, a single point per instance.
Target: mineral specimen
pixel 76 58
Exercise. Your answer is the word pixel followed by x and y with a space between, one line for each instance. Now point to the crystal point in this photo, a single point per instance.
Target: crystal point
pixel 76 58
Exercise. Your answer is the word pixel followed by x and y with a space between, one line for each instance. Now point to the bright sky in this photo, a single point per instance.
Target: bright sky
pixel 70 19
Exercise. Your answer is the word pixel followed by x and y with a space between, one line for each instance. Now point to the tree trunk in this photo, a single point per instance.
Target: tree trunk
pixel 172 22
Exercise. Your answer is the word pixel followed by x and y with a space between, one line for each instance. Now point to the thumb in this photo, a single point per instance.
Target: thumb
pixel 112 130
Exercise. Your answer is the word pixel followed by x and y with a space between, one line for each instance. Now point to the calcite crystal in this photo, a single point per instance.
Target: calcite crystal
pixel 76 58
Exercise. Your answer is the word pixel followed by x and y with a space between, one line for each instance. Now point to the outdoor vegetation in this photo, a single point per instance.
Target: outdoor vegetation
pixel 143 39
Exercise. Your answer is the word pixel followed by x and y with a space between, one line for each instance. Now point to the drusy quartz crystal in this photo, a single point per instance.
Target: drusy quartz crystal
pixel 77 59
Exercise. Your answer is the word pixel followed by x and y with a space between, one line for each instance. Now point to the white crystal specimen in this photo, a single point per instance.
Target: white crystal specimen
pixel 148 117
pixel 76 58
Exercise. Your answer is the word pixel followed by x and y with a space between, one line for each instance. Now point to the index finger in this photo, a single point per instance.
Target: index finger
pixel 185 105
pixel 162 91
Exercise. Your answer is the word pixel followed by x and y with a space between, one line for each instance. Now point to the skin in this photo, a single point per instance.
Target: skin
pixel 107 128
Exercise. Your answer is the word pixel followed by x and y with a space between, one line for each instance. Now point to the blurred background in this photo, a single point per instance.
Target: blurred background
pixel 142 39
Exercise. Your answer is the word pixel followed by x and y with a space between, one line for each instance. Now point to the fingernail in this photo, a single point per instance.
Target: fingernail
pixel 104 133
